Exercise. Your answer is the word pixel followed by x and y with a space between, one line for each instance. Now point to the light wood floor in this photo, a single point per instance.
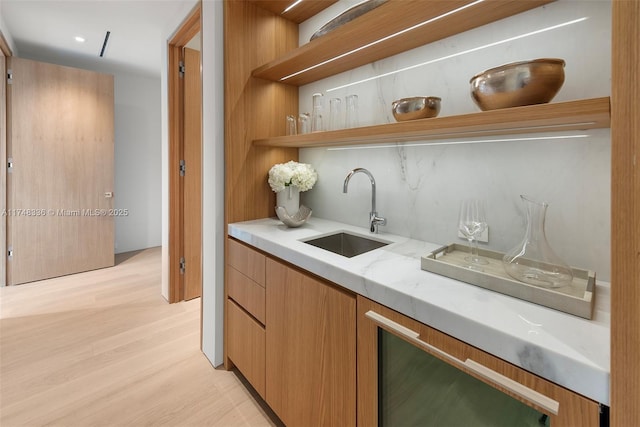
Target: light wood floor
pixel 104 348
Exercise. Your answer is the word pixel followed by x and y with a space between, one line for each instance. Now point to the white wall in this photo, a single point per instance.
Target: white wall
pixel 6 34
pixel 137 161
pixel 213 181
pixel 420 187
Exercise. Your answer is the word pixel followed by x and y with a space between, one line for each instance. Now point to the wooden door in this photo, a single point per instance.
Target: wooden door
pixel 192 186
pixel 3 171
pixel 61 145
pixel 310 349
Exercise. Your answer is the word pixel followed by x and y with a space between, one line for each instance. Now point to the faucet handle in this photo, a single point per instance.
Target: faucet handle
pixel 375 220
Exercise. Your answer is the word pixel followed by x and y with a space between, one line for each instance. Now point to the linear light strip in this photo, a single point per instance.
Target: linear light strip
pixel 510 39
pixel 383 39
pixel 420 144
pixel 291 6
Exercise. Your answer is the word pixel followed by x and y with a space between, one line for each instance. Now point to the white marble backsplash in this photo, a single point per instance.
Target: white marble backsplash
pixel 420 186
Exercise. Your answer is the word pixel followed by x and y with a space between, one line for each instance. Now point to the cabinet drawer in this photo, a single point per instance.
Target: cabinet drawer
pixel 247 293
pixel 247 261
pixel 246 346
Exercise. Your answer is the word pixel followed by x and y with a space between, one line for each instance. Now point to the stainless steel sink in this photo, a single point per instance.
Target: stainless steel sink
pixel 346 244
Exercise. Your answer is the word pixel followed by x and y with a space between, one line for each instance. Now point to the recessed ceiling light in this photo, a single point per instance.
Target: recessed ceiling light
pixel 79 39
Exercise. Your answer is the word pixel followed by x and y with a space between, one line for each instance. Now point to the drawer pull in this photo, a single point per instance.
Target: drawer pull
pixel 491 376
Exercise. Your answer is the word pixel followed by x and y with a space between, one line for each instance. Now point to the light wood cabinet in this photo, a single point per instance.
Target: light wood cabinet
pixel 311 349
pixel 563 407
pixel 293 337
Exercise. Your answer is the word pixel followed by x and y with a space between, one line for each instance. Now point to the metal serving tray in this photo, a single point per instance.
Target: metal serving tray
pixel 577 298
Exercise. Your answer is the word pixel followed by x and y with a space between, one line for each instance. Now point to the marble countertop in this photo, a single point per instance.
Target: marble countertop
pixel 568 350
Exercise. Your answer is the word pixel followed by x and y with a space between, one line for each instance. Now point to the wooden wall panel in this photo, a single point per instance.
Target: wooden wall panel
pixel 625 214
pixel 253 107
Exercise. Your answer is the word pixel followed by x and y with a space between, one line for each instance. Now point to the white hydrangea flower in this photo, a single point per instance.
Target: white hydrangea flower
pixel 300 175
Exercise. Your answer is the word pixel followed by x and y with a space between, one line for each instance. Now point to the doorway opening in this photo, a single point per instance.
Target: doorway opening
pixel 5 52
pixel 185 161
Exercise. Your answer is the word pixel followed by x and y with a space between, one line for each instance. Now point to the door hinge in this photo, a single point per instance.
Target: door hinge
pixel 9 252
pixel 9 165
pixel 9 77
pixel 183 168
pixel 181 69
pixel 183 265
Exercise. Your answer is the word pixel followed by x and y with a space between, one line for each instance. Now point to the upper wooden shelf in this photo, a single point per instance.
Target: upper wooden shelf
pixel 370 35
pixel 571 115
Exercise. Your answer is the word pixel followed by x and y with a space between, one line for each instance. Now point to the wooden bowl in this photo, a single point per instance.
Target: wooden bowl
pixel 417 107
pixel 518 83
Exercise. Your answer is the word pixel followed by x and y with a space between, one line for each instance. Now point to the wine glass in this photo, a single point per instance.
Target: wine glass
pixel 471 223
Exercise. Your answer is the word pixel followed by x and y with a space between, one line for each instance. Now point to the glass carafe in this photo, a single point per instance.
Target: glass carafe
pixel 533 261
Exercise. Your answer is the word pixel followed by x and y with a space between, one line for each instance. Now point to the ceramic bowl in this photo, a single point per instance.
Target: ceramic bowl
pixel 295 220
pixel 347 16
pixel 518 84
pixel 417 107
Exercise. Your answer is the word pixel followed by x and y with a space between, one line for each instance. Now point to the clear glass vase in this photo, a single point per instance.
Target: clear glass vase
pixel 533 261
pixel 317 114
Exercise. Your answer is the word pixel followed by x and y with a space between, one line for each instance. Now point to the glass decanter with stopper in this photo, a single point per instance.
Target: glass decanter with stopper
pixel 533 261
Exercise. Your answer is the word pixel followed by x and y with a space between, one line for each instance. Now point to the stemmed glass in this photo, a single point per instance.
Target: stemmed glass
pixel 471 223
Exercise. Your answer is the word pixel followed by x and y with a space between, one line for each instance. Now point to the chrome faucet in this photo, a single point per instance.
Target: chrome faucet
pixel 374 219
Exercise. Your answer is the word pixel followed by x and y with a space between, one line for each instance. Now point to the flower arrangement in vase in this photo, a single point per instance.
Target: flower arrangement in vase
pixel 287 180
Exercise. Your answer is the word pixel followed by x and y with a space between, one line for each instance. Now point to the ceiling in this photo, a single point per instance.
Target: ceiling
pixel 45 30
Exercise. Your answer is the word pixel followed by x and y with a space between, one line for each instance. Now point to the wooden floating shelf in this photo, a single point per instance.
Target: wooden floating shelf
pixel 383 21
pixel 561 116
